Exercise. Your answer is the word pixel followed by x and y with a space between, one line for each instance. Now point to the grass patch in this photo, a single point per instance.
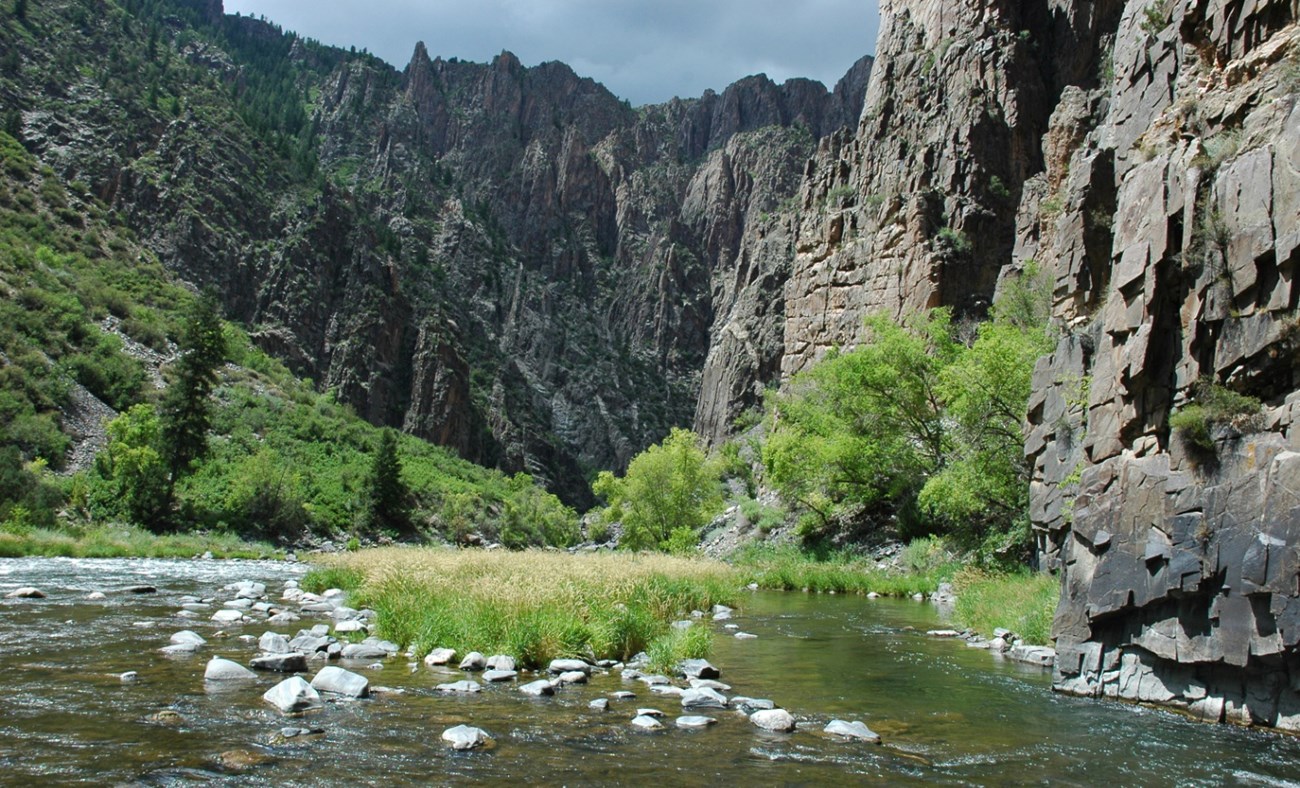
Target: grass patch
pixel 668 650
pixel 537 605
pixel 128 542
pixel 787 568
pixel 1022 602
pixel 322 578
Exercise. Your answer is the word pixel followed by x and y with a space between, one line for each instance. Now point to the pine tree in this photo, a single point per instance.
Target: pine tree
pixel 388 493
pixel 187 411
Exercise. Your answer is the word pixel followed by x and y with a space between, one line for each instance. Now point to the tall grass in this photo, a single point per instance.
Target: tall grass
pixel 129 542
pixel 537 605
pixel 1024 603
pixel 788 568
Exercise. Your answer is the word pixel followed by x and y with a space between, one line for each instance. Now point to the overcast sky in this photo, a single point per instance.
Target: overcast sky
pixel 646 51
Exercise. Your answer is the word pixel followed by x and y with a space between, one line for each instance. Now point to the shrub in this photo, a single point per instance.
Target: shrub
pixel 1214 406
pixel 670 486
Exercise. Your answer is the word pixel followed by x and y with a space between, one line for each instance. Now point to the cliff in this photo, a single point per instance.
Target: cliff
pixel 506 260
pixel 1144 156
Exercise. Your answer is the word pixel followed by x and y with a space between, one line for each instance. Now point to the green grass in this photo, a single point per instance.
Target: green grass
pixel 322 578
pixel 129 542
pixel 788 568
pixel 537 606
pixel 1022 602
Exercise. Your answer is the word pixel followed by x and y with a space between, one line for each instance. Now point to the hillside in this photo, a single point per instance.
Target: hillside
pixel 507 261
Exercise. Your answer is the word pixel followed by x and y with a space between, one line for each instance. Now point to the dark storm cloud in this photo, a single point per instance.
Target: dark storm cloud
pixel 643 50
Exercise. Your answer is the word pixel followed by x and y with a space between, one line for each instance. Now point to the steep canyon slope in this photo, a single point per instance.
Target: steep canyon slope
pixel 508 261
pixel 1145 156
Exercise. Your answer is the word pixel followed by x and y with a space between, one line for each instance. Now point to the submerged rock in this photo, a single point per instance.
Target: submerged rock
pixel 773 720
pixel 272 643
pixel 751 705
pixel 473 661
pixel 364 651
pixel 26 592
pixel 695 722
pixel 460 687
pixel 852 730
pixel 464 737
pixel 219 669
pixel 599 704
pixel 703 698
pixel 292 694
pixel 572 677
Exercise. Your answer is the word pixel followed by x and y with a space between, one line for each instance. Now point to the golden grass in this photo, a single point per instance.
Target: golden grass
pixel 535 605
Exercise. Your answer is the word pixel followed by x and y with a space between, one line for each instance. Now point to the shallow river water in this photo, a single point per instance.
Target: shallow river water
pixel 948 714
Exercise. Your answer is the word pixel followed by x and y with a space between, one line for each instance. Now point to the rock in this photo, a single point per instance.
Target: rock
pixel 709 684
pixel 464 737
pixel 683 624
pixel 180 649
pixel 186 636
pixel 26 592
pixel 654 680
pixel 337 681
pixel 292 662
pixel 440 656
pixel 943 633
pixel 852 730
pixel 95 596
pixel 272 643
pixel 538 688
pixel 773 720
pixel 493 676
pixel 238 604
pixel 228 616
pixel 572 677
pixel 473 661
pixel 622 695
pixel 692 722
pixel 751 705
pixel 128 677
pixel 646 723
pixel 722 609
pixel 501 662
pixel 347 627
pixel 460 687
pixel 873 595
pixel 1033 655
pixel 195 607
pixel 285 617
pixel 599 704
pixel 292 694
pixel 745 636
pixel 723 616
pixel 219 669
pixel 697 669
pixel 648 712
pixel 141 589
pixel 166 717
pixel 703 698
pixel 569 665
pixel 364 651
pixel 667 689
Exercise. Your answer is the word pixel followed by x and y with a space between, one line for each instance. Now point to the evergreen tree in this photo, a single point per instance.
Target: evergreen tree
pixel 388 493
pixel 186 410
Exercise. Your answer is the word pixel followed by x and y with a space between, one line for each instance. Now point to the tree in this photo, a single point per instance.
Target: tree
pixel 186 408
pixel 132 474
pixel 388 494
pixel 670 492
pixel 859 433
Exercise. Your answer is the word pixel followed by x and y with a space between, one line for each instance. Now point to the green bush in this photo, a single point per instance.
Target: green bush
pixel 1213 406
pixel 671 491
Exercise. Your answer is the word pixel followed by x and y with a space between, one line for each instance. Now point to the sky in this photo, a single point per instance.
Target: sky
pixel 646 51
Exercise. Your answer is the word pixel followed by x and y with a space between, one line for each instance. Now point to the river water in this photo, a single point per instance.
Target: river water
pixel 948 714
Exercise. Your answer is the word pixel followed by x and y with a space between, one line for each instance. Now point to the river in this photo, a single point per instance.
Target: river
pixel 948 714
